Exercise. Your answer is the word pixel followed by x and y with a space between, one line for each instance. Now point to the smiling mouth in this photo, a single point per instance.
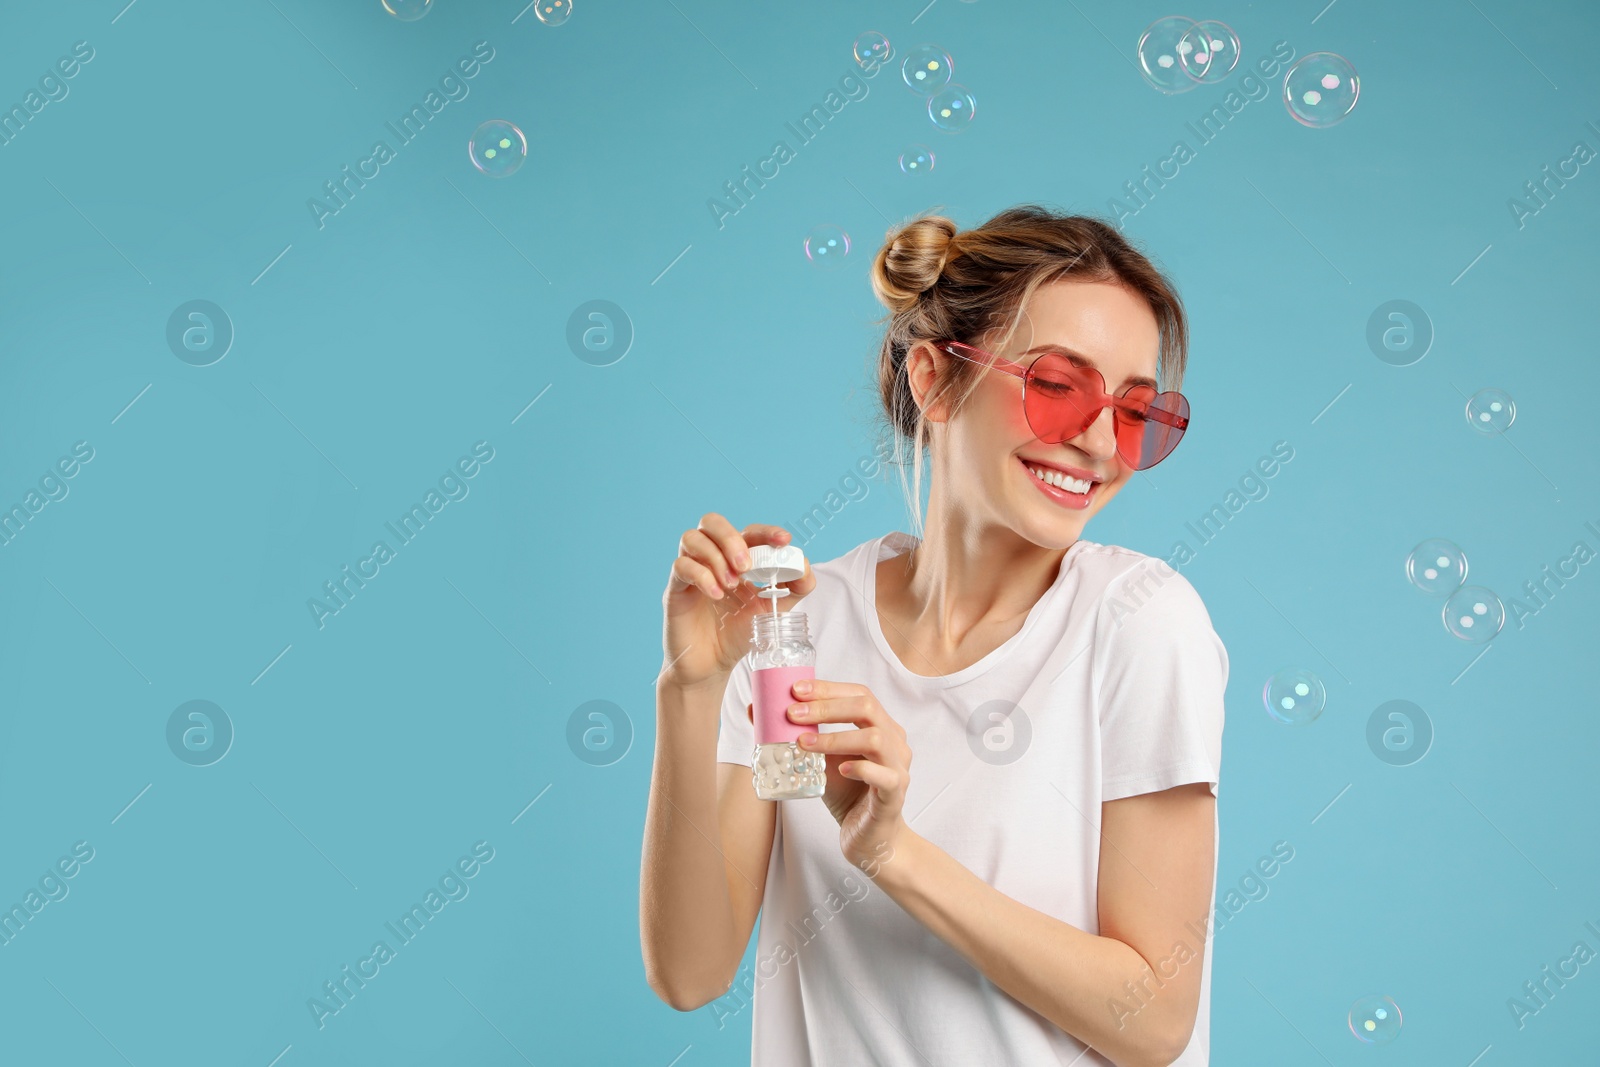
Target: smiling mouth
pixel 1060 479
pixel 1061 488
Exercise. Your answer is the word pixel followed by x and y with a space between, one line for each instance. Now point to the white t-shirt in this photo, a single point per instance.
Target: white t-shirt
pixel 1112 687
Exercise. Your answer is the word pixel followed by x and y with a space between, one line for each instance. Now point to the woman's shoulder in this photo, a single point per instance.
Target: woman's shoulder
pixel 1114 559
pixel 846 561
pixel 1115 571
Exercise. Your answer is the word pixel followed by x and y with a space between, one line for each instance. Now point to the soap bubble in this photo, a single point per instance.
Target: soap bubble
pixel 1375 1020
pixel 870 49
pixel 916 159
pixel 498 148
pixel 927 68
pixel 553 12
pixel 1491 411
pixel 1474 614
pixel 1162 49
pixel 1321 89
pixel 1294 696
pixel 952 108
pixel 1212 51
pixel 1437 567
pixel 827 246
pixel 408 10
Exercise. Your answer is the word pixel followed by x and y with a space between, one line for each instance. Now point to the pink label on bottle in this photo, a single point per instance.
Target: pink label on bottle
pixel 771 695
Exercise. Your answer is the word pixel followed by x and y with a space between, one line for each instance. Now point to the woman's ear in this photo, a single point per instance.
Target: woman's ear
pixel 924 362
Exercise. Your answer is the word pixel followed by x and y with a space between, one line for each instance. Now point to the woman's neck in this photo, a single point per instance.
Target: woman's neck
pixel 962 584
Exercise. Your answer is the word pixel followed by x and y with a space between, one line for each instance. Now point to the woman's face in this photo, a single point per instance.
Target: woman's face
pixel 989 445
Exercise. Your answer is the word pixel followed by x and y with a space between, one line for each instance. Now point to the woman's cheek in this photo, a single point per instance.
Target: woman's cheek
pixel 1013 418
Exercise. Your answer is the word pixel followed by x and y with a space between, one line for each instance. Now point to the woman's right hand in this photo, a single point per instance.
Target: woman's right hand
pixel 709 607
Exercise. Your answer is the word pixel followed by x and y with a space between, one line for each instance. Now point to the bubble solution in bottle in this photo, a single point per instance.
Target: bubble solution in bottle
pixel 781 655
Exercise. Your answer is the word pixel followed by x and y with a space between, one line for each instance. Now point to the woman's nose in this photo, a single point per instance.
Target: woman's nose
pixel 1099 439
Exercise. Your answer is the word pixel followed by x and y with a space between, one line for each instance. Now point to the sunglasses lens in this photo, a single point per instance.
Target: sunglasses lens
pixel 1146 441
pixel 1060 398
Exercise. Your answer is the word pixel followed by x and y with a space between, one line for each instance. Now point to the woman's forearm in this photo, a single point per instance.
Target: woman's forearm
pixel 1067 975
pixel 686 921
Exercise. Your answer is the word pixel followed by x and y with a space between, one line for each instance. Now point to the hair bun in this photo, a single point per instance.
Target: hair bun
pixel 911 259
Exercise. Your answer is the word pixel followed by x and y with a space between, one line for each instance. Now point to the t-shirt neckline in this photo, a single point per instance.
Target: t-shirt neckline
pixel 866 578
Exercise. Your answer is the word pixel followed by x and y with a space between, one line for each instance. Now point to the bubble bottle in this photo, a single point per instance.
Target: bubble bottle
pixel 781 654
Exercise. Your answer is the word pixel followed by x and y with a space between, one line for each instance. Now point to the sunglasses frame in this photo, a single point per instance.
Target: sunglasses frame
pixel 1140 409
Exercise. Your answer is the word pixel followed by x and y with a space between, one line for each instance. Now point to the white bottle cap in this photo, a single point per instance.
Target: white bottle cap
pixel 770 564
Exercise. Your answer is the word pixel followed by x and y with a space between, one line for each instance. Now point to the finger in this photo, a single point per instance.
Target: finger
pixel 835 702
pixel 727 542
pixel 699 546
pixel 761 533
pixel 689 573
pixel 802 586
pixel 887 781
pixel 868 742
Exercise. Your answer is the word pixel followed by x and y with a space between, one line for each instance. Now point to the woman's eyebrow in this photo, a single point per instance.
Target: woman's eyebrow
pixel 1079 360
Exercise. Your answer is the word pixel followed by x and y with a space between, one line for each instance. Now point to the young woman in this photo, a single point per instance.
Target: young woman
pixel 1039 877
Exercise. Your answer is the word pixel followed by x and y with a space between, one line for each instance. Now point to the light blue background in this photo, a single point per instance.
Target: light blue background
pixel 432 310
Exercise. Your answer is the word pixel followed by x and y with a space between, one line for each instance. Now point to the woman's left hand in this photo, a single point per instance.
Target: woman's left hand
pixel 869 768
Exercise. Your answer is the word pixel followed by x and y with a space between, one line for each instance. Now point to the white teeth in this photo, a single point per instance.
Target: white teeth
pixel 1059 480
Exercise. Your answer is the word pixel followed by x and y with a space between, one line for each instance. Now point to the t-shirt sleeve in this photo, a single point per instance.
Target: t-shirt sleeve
pixel 1160 672
pixel 736 737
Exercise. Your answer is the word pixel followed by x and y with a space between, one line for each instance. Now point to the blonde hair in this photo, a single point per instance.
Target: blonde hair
pixel 940 283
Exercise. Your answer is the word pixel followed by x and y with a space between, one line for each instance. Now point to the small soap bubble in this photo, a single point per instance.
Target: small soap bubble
pixel 1491 411
pixel 498 148
pixel 408 10
pixel 1209 52
pixel 916 159
pixel 1294 696
pixel 871 49
pixel 553 12
pixel 1321 89
pixel 1164 48
pixel 1437 567
pixel 1375 1020
pixel 1474 614
pixel 827 246
pixel 927 68
pixel 952 108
